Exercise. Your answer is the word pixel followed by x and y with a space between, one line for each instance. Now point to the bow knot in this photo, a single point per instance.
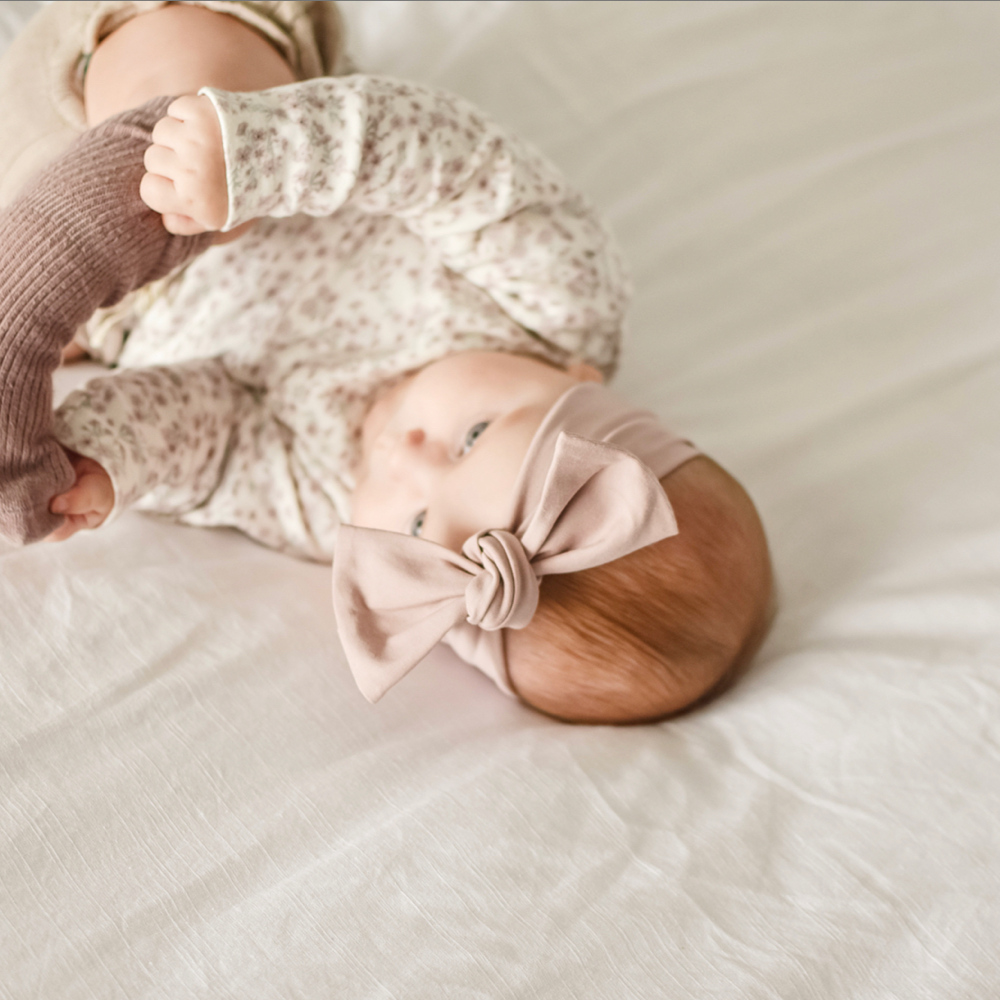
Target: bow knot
pixel 504 593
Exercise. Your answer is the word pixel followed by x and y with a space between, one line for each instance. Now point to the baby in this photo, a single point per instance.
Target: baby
pixel 632 620
pixel 272 433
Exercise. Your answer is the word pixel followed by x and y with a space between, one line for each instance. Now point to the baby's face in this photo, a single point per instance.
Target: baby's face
pixel 441 450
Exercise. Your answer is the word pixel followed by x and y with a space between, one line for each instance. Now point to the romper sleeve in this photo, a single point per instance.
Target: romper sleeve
pixel 488 205
pixel 191 442
pixel 161 428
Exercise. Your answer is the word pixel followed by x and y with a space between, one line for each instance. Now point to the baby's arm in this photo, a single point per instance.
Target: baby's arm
pixel 189 441
pixel 167 428
pixel 487 204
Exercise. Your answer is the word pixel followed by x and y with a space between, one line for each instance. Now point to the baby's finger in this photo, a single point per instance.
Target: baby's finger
pixel 92 492
pixel 169 132
pixel 74 523
pixel 163 161
pixel 160 195
pixel 185 107
pixel 66 503
pixel 64 531
pixel 182 225
pixel 76 501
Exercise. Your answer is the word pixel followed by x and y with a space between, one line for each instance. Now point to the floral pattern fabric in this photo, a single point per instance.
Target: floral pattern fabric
pixel 397 224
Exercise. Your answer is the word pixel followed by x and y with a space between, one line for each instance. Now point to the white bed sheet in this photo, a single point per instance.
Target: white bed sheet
pixel 196 802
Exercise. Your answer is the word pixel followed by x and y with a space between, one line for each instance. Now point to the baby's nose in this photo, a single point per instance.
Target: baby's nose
pixel 419 451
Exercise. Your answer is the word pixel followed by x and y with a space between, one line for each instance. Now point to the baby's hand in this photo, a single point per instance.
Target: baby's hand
pixel 186 179
pixel 87 503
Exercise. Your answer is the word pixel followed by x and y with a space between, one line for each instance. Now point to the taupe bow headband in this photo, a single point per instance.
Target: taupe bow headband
pixel 578 503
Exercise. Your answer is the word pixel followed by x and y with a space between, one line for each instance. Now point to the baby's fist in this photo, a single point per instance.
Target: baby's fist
pixel 87 503
pixel 186 169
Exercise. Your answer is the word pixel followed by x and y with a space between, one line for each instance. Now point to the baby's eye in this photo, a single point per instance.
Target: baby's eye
pixel 473 436
pixel 417 527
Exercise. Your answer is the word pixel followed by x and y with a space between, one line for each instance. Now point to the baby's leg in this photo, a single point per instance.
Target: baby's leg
pixel 77 238
pixel 174 49
pixel 177 50
pixel 42 72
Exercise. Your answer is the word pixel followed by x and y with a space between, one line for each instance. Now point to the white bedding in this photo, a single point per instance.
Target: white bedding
pixel 196 802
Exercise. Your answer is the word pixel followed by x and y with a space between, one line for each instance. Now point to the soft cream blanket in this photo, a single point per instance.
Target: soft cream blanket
pixel 196 802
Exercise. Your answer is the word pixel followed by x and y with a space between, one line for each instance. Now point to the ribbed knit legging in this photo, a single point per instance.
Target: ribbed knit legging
pixel 76 239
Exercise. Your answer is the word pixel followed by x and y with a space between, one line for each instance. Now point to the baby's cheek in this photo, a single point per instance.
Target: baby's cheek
pixel 449 535
pixel 372 507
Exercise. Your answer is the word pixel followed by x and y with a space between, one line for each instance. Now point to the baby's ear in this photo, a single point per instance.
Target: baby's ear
pixel 583 372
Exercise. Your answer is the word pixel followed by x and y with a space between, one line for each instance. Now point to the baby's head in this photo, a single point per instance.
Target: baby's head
pixel 660 630
pixel 639 637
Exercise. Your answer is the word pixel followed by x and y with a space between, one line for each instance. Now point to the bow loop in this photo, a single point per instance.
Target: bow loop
pixel 504 594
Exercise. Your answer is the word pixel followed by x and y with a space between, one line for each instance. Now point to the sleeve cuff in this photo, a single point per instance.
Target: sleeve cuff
pixel 80 429
pixel 218 102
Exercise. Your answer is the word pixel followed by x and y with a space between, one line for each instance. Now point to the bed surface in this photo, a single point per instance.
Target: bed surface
pixel 195 801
